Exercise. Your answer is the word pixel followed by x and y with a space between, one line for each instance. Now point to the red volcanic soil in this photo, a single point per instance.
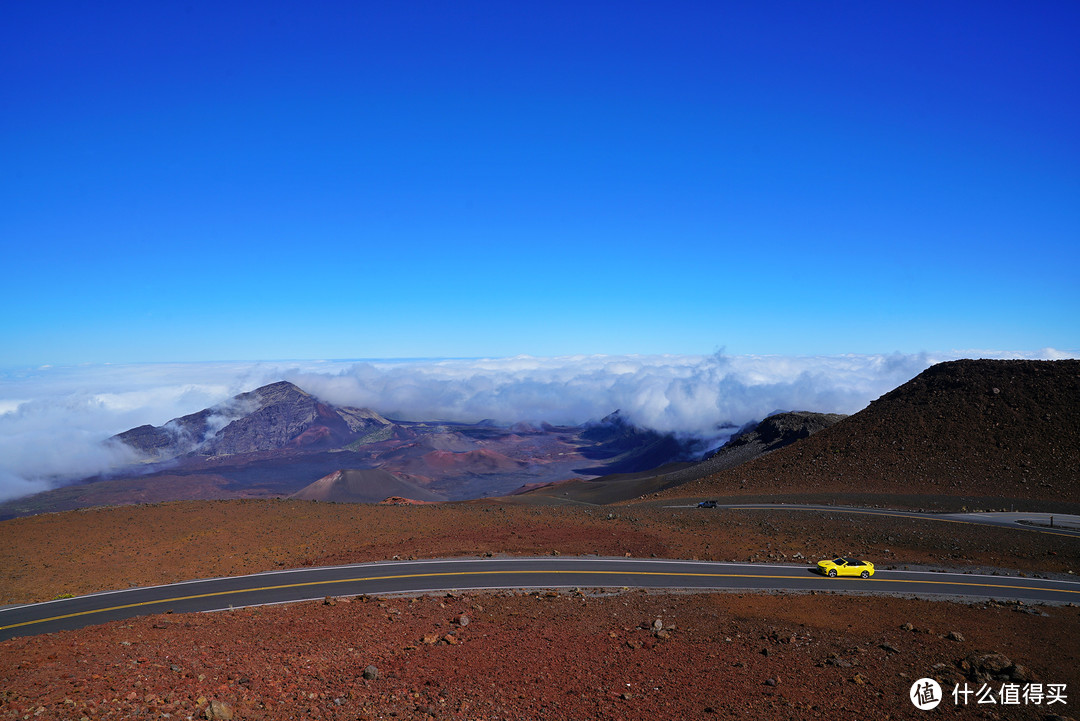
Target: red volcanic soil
pixel 546 655
pixel 312 436
pixel 478 461
pixel 99 549
pixel 549 655
pixel 363 486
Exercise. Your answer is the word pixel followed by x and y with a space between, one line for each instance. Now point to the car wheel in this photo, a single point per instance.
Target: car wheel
pixel 866 574
pixel 832 573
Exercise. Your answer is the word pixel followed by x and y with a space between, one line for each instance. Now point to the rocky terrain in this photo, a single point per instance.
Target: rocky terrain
pixel 774 432
pixel 1002 432
pixel 978 429
pixel 546 655
pixel 169 542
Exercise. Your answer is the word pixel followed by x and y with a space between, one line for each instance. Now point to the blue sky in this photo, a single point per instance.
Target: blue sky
pixel 211 181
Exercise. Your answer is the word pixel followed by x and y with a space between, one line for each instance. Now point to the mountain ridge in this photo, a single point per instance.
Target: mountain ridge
pixel 979 428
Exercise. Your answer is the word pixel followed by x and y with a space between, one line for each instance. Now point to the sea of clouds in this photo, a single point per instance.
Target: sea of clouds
pixel 54 422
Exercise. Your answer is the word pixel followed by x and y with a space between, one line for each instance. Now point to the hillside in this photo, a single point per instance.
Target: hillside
pixel 371 485
pixel 776 431
pixel 973 428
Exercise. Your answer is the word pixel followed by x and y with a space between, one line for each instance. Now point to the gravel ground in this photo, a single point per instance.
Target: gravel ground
pixel 520 656
pixel 42 557
pixel 630 655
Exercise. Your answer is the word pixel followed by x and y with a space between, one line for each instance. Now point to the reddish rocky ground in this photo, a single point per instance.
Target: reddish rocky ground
pixel 630 655
pixel 557 656
pixel 975 430
pixel 98 549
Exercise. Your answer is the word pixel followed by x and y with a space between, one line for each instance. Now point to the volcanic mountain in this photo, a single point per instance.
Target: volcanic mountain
pixel 278 440
pixel 776 431
pixel 773 433
pixel 272 417
pixel 1000 429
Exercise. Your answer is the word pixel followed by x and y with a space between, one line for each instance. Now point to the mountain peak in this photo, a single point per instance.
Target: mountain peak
pixel 271 417
pixel 274 393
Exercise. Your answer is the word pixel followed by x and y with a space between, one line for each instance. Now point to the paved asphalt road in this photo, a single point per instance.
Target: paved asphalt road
pixel 461 574
pixel 1064 524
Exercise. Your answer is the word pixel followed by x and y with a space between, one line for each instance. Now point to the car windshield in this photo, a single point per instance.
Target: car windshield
pixel 839 561
pixel 855 562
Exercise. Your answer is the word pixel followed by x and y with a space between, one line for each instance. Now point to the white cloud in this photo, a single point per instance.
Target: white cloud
pixel 53 421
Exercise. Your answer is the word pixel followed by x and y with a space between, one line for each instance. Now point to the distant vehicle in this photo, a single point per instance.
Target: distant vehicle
pixel 707 504
pixel 846 567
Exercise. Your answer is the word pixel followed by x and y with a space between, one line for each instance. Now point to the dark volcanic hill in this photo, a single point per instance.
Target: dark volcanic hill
pixel 773 433
pixel 776 431
pixel 621 447
pixel 270 418
pixel 972 428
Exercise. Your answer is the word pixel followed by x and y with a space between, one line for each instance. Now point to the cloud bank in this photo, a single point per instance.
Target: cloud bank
pixel 54 421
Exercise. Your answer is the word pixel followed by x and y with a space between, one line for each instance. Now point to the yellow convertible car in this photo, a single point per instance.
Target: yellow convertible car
pixel 846 567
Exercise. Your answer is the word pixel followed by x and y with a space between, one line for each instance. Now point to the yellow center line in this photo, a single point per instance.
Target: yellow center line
pixel 509 572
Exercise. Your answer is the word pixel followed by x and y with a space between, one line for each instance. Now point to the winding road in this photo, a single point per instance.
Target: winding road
pixel 502 573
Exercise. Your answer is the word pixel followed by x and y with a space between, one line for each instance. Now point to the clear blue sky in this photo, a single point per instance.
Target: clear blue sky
pixel 201 181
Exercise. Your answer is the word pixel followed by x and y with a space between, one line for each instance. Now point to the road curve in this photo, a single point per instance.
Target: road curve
pixel 489 573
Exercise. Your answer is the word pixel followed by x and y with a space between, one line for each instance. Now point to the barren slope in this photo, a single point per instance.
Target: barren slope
pixel 992 429
pixel 363 486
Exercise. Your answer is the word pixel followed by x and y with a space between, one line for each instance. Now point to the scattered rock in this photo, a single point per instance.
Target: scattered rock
pixel 462 620
pixel 1021 674
pixel 981 667
pixel 218 710
pixel 907 627
pixel 954 636
pixel 889 648
pixel 657 625
pixel 772 681
pixel 329 601
pixel 371 673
